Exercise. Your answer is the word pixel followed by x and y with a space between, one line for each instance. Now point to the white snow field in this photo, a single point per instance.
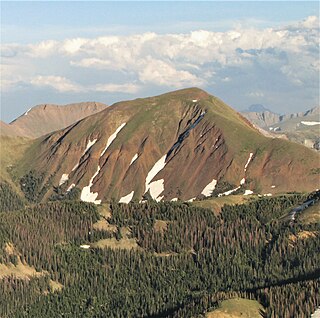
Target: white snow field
pixel 63 179
pixel 127 198
pixel 310 123
pixel 155 187
pixel 112 138
pixel 87 195
pixel 134 158
pixel 209 188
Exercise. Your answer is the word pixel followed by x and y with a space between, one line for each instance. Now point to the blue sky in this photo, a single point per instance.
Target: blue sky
pixel 243 52
pixel 76 18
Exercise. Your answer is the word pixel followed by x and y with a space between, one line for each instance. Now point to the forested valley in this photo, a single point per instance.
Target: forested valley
pixel 185 260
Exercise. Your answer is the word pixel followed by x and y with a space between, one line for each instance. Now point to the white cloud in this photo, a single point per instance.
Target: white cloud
pixel 93 62
pixel 43 49
pixel 199 58
pixel 59 83
pixel 255 94
pixel 162 73
pixel 64 85
pixel 311 22
pixel 122 88
pixel 73 46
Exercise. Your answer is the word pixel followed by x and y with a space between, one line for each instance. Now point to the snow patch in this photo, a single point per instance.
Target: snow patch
pixel 310 123
pixel 89 145
pixel 242 181
pixel 63 179
pixel 228 192
pixel 191 200
pixel 134 158
pixel 247 192
pixel 273 186
pixel 26 113
pixel 249 159
pixel 209 188
pixel 174 199
pixel 112 138
pixel 87 195
pixel 156 185
pixel 127 198
pixel 156 188
pixel 159 198
pixel 71 187
pixel 194 100
pixel 85 246
pixel 267 195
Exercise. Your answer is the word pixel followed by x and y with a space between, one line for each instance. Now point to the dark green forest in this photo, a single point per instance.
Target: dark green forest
pixel 183 270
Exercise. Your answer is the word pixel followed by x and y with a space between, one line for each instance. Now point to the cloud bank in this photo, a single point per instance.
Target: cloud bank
pixel 272 64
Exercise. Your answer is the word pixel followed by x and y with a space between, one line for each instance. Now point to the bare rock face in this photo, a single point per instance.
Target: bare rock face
pixel 179 145
pixel 43 119
pixel 262 119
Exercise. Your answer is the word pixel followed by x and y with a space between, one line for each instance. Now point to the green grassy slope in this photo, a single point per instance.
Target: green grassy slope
pixel 12 149
pixel 237 308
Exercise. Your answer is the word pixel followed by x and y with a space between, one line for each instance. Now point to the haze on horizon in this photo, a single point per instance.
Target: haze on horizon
pixel 243 52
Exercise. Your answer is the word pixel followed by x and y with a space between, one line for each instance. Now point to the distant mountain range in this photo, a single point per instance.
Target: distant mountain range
pixel 180 145
pixel 302 127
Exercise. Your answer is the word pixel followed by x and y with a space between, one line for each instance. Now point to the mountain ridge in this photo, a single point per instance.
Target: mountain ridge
pixel 45 118
pixel 179 145
pixel 301 127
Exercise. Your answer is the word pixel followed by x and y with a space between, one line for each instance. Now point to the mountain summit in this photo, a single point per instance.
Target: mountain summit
pixel 45 118
pixel 179 145
pixel 256 108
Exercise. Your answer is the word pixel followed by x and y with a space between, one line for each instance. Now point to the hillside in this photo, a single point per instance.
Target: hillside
pixel 6 130
pixel 11 150
pixel 43 119
pixel 180 145
pixel 53 263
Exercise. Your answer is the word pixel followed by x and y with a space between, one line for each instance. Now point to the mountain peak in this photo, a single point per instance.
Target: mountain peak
pixel 175 145
pixel 257 108
pixel 45 118
pixel 192 93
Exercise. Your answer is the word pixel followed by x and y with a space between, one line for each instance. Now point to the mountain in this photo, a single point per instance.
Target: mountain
pixel 179 145
pixel 295 121
pixel 302 127
pixel 256 108
pixel 262 119
pixel 43 119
